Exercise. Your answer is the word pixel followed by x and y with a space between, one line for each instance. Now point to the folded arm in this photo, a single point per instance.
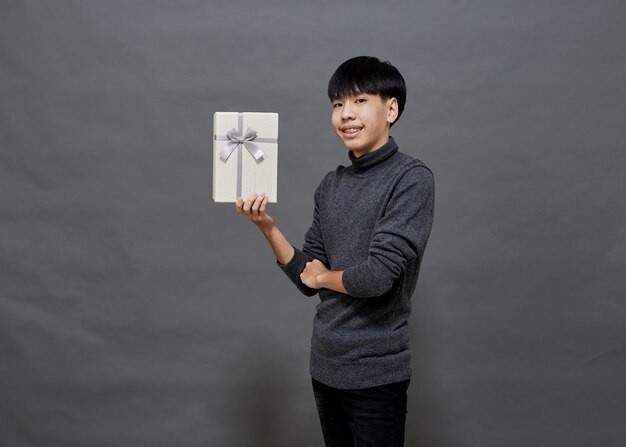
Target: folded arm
pixel 316 276
pixel 399 237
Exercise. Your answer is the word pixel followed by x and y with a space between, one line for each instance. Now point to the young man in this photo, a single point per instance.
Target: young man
pixel 362 255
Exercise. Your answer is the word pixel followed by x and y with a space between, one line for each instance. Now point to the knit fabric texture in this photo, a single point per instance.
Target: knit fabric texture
pixel 372 220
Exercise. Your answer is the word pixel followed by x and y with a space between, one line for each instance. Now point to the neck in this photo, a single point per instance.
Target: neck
pixel 374 157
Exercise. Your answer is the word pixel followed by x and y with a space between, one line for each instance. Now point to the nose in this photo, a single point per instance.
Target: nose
pixel 347 112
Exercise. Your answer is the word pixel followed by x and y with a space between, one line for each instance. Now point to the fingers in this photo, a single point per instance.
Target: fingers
pixel 254 206
pixel 249 201
pixel 314 267
pixel 239 205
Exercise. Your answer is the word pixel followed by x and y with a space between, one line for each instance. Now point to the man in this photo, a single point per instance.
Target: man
pixel 362 255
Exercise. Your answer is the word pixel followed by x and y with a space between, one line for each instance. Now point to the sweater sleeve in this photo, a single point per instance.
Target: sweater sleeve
pixel 313 248
pixel 399 236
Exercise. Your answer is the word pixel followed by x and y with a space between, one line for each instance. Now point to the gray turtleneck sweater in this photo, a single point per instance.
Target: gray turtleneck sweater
pixel 372 220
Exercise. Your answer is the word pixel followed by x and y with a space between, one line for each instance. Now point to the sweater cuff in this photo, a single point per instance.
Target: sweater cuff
pixel 295 265
pixel 293 269
pixel 362 283
pixel 350 282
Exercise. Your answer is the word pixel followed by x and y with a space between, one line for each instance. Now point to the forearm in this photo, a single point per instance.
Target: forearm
pixel 283 250
pixel 332 280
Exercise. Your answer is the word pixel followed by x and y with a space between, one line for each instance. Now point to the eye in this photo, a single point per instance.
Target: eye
pixel 360 100
pixel 337 104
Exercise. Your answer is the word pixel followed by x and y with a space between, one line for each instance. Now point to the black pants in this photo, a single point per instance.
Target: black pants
pixel 366 417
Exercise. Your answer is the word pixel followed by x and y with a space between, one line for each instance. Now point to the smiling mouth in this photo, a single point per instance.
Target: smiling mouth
pixel 350 131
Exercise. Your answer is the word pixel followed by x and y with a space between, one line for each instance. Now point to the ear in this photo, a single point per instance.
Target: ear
pixel 392 110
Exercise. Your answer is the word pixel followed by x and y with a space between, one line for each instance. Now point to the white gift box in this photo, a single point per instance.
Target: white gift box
pixel 245 155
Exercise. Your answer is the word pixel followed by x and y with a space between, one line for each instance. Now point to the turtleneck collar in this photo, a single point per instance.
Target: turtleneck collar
pixel 375 157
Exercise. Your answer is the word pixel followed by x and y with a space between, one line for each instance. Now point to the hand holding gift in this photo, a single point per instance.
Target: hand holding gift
pixel 254 210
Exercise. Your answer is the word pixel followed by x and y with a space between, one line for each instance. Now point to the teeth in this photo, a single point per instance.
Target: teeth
pixel 351 130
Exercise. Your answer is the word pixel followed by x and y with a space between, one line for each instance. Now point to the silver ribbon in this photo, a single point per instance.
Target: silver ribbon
pixel 236 138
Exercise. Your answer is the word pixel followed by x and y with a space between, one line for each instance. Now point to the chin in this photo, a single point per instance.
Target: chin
pixel 353 147
pixel 351 143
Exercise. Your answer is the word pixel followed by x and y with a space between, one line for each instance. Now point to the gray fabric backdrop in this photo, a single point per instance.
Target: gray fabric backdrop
pixel 134 311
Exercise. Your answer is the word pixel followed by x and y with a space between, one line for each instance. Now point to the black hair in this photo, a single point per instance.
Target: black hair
pixel 366 74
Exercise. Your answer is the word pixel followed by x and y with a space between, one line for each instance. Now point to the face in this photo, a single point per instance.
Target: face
pixel 362 121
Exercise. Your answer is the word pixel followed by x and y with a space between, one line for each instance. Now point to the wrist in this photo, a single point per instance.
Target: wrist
pixel 332 280
pixel 267 228
pixel 319 280
pixel 322 281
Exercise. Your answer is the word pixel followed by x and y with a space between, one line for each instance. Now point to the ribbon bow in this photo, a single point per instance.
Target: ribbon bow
pixel 235 139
